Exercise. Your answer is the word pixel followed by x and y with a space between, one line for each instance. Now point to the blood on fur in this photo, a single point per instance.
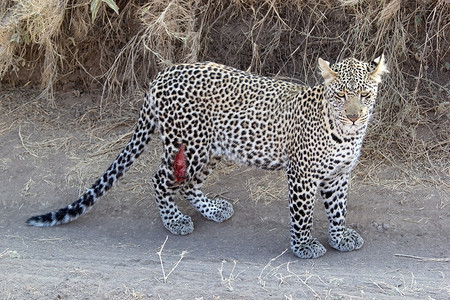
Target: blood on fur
pixel 179 165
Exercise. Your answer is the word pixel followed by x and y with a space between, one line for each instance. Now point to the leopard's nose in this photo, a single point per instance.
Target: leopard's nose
pixel 352 117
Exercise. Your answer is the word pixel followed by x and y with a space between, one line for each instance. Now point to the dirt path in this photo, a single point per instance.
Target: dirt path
pixel 115 251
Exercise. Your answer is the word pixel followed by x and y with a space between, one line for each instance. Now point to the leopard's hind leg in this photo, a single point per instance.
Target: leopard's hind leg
pixel 169 179
pixel 166 187
pixel 167 183
pixel 217 210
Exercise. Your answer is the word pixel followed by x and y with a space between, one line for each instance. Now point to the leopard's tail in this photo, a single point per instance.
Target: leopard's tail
pixel 144 128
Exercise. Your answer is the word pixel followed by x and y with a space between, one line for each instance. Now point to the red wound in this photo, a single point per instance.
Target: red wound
pixel 179 165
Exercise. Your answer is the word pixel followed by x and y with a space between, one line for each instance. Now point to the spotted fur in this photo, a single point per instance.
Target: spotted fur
pixel 205 111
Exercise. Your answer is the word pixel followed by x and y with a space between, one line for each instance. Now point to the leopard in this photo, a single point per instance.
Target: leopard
pixel 205 112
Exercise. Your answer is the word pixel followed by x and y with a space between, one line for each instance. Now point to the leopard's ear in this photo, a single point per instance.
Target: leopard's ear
pixel 380 69
pixel 327 74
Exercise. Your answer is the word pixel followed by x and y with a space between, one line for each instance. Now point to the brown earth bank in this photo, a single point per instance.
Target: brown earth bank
pixel 120 249
pixel 59 46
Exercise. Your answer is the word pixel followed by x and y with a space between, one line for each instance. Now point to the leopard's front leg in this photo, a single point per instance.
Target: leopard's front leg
pixel 301 205
pixel 334 194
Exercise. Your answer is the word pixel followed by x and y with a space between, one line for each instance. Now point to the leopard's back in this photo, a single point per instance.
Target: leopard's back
pixel 237 114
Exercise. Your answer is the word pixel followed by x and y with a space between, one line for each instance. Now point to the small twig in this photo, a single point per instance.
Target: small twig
pixel 10 253
pixel 260 280
pixel 304 282
pixel 379 286
pixel 420 258
pixel 4 253
pixel 231 278
pixel 23 144
pixel 165 277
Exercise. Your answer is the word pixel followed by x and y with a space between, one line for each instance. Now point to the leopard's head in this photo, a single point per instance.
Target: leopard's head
pixel 351 89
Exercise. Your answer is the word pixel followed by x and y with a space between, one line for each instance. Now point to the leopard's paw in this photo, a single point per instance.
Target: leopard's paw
pixel 182 225
pixel 310 249
pixel 347 240
pixel 220 210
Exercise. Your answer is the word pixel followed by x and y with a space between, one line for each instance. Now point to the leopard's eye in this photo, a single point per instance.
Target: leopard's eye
pixel 340 94
pixel 365 94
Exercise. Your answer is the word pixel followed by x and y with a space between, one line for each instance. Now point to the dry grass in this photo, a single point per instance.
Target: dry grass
pixel 56 44
pixel 30 24
pixel 265 189
pixel 166 35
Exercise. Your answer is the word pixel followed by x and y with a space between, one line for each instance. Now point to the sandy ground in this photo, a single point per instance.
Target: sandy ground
pixel 120 250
